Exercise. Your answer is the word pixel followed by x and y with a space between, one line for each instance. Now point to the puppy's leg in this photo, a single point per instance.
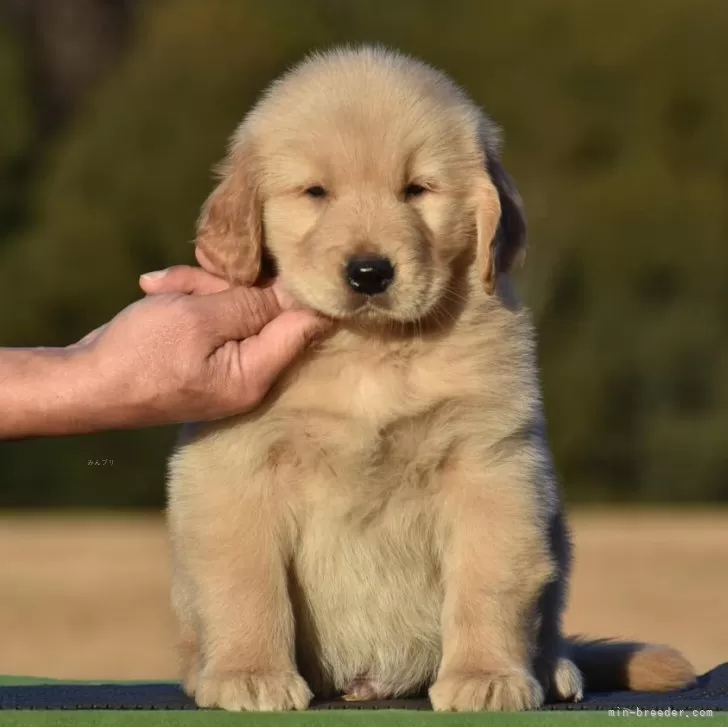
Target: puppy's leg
pixel 496 564
pixel 236 556
pixel 188 646
pixel 561 678
pixel 182 586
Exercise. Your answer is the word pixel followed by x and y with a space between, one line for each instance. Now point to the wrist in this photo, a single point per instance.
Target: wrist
pixel 50 392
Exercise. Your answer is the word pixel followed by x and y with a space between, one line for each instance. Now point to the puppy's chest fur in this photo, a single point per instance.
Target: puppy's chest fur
pixel 370 448
pixel 370 430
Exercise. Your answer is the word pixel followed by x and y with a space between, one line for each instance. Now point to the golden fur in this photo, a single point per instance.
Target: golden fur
pixel 388 521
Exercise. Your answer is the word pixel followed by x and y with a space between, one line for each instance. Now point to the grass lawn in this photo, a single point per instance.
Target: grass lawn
pixel 321 719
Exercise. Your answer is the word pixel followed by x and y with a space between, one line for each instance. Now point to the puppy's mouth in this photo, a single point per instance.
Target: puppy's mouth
pixel 372 306
pixel 384 309
pixel 363 309
pixel 367 309
pixel 387 311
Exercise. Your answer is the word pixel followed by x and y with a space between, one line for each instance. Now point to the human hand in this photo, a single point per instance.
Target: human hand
pixel 195 349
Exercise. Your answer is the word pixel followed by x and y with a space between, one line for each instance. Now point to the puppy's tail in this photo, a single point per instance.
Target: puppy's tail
pixel 620 665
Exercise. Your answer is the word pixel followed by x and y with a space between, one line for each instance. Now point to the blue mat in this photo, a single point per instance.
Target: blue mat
pixel 710 692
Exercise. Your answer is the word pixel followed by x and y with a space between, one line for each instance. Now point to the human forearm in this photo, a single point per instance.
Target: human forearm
pixel 45 392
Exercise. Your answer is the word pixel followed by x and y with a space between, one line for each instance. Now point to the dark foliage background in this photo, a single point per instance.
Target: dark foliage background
pixel 616 123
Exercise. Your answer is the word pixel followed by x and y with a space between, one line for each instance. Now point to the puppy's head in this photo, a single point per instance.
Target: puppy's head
pixel 372 181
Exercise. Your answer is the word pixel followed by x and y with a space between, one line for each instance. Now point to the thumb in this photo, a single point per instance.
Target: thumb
pixel 181 279
pixel 266 355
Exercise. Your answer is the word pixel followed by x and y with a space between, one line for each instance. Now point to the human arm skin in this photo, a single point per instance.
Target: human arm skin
pixel 44 391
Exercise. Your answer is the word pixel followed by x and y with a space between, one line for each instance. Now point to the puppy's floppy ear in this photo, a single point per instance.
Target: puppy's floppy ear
pixel 230 226
pixel 501 220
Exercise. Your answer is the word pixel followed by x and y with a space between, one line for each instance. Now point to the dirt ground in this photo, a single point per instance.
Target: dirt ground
pixel 86 598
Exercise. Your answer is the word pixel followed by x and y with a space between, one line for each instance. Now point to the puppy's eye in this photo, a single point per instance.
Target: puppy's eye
pixel 316 191
pixel 414 190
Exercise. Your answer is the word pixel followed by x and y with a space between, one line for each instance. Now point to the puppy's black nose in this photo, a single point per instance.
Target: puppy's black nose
pixel 370 275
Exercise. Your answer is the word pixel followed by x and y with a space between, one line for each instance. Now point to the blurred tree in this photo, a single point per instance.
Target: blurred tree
pixel 70 46
pixel 616 123
pixel 15 136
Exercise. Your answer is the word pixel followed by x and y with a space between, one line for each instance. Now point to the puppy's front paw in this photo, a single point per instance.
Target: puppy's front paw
pixel 511 690
pixel 253 692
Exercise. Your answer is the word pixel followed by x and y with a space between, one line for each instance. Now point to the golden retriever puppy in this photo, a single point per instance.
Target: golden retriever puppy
pixel 388 521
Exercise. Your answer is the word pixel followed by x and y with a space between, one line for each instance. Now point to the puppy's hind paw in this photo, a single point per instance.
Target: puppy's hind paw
pixel 568 682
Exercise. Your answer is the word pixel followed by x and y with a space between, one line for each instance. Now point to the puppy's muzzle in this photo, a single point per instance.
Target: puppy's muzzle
pixel 369 275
